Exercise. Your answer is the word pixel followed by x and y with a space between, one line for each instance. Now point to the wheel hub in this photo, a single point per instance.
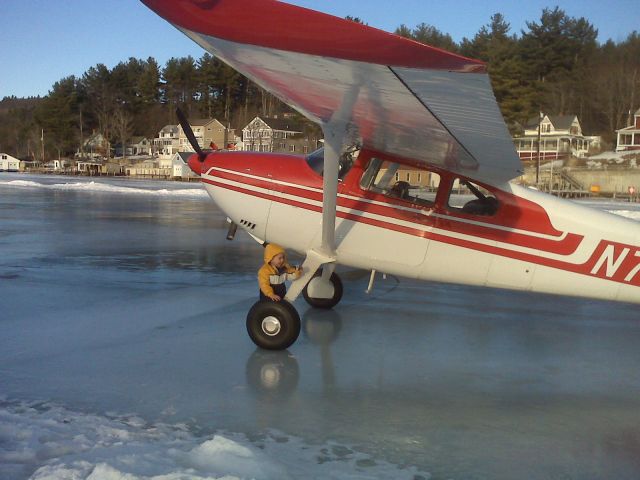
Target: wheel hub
pixel 271 326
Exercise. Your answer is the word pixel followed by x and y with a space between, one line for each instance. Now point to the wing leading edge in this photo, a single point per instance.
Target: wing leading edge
pixel 403 98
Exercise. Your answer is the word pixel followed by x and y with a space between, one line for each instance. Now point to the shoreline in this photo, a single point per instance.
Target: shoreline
pixel 106 175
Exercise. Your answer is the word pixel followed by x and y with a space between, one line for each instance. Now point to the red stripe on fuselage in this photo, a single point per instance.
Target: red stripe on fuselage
pixel 558 246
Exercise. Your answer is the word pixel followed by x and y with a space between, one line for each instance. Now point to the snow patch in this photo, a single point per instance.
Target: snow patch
pixel 624 158
pixel 627 209
pixel 43 441
pixel 632 214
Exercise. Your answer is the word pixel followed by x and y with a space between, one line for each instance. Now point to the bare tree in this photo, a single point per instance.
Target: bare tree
pixel 123 125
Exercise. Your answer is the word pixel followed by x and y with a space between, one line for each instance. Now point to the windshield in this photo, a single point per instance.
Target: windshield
pixel 315 160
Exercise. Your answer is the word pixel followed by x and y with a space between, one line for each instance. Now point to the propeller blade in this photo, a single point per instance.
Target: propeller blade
pixel 184 123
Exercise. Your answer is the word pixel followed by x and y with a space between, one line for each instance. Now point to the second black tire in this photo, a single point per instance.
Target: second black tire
pixel 325 303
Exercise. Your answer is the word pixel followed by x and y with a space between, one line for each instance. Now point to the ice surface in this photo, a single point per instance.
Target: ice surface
pixel 123 354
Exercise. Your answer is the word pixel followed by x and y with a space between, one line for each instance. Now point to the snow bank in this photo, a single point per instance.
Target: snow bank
pixel 624 209
pixel 627 159
pixel 632 214
pixel 611 155
pixel 107 187
pixel 42 441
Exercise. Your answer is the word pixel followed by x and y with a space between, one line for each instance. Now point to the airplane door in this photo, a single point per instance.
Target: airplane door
pixel 389 246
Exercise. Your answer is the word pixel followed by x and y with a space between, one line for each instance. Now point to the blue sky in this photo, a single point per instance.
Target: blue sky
pixel 43 41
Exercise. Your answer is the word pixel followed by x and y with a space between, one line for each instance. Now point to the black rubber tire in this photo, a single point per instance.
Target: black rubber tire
pixel 289 323
pixel 325 303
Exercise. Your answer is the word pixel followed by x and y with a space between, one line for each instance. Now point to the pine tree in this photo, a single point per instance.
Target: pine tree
pixel 56 115
pixel 429 35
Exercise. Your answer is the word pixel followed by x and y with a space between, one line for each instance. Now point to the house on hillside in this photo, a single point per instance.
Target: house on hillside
pixel 560 137
pixel 139 146
pixel 208 132
pixel 93 147
pixel 282 135
pixel 134 147
pixel 629 137
pixel 9 163
pixel 167 141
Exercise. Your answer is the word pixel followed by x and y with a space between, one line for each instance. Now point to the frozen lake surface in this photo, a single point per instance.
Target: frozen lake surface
pixel 124 355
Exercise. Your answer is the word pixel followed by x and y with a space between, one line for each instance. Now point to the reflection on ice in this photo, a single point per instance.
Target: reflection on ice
pixel 272 373
pixel 322 327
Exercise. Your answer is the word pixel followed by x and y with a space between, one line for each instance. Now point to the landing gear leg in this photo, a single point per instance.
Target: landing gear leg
pixel 324 290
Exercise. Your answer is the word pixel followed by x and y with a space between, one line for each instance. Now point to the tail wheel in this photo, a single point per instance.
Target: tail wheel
pixel 334 286
pixel 273 325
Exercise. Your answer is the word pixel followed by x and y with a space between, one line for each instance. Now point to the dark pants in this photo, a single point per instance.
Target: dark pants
pixel 280 290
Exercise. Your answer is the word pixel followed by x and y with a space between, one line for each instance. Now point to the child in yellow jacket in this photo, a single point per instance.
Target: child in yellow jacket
pixel 274 272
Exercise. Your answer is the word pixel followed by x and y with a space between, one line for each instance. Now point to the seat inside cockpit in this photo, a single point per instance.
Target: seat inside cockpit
pixel 414 184
pixel 471 198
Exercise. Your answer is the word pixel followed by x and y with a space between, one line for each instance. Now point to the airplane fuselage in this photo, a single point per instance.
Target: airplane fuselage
pixel 532 242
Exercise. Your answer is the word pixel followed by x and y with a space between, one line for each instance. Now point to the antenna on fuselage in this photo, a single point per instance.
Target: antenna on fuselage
pixel 184 123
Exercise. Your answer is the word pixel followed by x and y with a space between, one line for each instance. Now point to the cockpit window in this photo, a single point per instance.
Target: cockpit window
pixel 315 160
pixel 413 184
pixel 471 198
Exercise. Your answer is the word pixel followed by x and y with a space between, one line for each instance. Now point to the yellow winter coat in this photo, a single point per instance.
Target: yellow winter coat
pixel 269 276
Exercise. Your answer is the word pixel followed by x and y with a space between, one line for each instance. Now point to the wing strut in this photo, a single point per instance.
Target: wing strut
pixel 338 132
pixel 335 137
pixel 333 144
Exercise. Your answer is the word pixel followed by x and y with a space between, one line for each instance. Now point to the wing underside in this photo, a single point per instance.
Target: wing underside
pixel 398 96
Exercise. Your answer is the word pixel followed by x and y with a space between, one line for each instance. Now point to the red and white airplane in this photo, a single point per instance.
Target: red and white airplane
pixel 394 113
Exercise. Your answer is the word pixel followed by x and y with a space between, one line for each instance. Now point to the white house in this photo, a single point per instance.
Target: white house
pixel 167 141
pixel 180 167
pixel 9 163
pixel 560 137
pixel 94 147
pixel 136 146
pixel 629 137
pixel 61 165
pixel 282 135
pixel 139 146
pixel 147 168
pixel 89 168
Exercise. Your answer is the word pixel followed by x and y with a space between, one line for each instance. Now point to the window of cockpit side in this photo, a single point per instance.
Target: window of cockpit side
pixel 417 185
pixel 471 198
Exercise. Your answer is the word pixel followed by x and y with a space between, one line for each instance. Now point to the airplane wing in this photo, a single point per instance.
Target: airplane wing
pixel 397 96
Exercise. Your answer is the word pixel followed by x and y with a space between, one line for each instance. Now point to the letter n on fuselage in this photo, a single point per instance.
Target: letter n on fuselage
pixel 609 263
